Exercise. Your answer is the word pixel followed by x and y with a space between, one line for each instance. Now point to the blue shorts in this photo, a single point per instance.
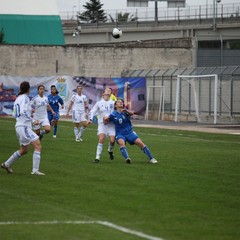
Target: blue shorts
pixel 130 138
pixel 51 117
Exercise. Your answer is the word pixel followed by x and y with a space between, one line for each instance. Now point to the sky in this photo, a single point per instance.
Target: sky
pixel 76 5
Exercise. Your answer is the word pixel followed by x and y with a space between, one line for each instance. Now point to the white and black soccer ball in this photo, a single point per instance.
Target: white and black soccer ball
pixel 116 33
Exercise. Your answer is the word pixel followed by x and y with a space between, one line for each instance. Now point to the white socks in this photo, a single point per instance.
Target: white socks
pixel 36 161
pixel 99 150
pixel 12 159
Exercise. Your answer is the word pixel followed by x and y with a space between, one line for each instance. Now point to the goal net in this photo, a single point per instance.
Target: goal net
pixel 197 95
pixel 155 102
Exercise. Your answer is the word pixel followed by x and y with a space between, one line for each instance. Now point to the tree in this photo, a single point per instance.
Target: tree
pixel 2 36
pixel 124 17
pixel 94 12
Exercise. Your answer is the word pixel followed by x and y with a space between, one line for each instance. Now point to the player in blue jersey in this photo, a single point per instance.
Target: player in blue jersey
pixel 124 131
pixel 54 101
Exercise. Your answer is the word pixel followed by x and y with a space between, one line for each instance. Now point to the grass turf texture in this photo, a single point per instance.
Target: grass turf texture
pixel 192 193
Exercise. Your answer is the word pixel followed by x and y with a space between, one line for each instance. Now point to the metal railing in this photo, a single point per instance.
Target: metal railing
pixel 228 108
pixel 165 14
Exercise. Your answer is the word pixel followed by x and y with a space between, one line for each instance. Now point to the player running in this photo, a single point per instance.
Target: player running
pixel 40 105
pixel 22 112
pixel 102 108
pixel 124 131
pixel 54 101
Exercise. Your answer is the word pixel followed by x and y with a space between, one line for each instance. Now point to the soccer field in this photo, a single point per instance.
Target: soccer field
pixel 192 193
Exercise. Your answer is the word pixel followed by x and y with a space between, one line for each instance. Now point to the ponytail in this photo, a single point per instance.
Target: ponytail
pixel 24 88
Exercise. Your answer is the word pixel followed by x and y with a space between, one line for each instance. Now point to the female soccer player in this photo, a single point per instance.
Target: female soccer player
pixel 22 113
pixel 79 112
pixel 102 108
pixel 40 106
pixel 112 96
pixel 54 100
pixel 124 131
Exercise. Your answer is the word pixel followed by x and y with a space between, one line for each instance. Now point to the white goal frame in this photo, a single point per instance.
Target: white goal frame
pixel 161 102
pixel 190 79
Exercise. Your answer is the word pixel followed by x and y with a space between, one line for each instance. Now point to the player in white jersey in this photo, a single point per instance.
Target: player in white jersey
pixel 103 108
pixel 26 136
pixel 40 106
pixel 79 105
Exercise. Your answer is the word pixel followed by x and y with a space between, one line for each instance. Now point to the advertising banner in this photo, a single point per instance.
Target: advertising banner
pixel 132 90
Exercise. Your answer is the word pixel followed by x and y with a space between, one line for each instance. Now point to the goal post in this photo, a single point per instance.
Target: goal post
pixel 155 102
pixel 203 90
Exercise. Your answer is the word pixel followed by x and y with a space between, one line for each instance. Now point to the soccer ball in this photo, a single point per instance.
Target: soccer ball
pixel 116 33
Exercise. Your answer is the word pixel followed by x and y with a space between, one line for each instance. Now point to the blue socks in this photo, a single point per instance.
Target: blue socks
pixel 55 130
pixel 147 152
pixel 124 152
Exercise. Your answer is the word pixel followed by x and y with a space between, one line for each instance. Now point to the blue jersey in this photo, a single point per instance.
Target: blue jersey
pixel 54 102
pixel 122 122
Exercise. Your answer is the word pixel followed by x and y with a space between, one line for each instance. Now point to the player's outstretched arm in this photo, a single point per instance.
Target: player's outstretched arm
pixel 130 113
pixel 49 108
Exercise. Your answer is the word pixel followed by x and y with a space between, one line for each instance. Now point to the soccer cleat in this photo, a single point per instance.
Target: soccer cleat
pixel 54 136
pixel 111 155
pixel 128 160
pixel 40 137
pixel 153 161
pixel 38 173
pixel 78 139
pixel 96 161
pixel 8 169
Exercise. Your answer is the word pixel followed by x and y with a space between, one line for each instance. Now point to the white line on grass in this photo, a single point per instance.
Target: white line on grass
pixel 104 223
pixel 126 230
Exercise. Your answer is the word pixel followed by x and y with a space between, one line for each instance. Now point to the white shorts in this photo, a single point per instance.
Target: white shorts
pixel 25 135
pixel 107 129
pixel 42 122
pixel 78 117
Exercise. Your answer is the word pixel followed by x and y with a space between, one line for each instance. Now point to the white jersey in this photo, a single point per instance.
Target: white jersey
pixel 78 103
pixel 39 104
pixel 101 109
pixel 22 111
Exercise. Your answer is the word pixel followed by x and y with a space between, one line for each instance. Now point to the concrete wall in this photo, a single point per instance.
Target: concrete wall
pixel 102 60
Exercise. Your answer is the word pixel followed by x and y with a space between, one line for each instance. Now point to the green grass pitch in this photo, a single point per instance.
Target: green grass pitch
pixel 193 193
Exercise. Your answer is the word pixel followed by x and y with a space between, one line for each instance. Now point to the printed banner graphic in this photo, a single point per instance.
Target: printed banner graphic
pixel 132 90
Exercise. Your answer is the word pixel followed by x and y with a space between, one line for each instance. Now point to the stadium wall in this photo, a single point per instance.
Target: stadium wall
pixel 93 60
